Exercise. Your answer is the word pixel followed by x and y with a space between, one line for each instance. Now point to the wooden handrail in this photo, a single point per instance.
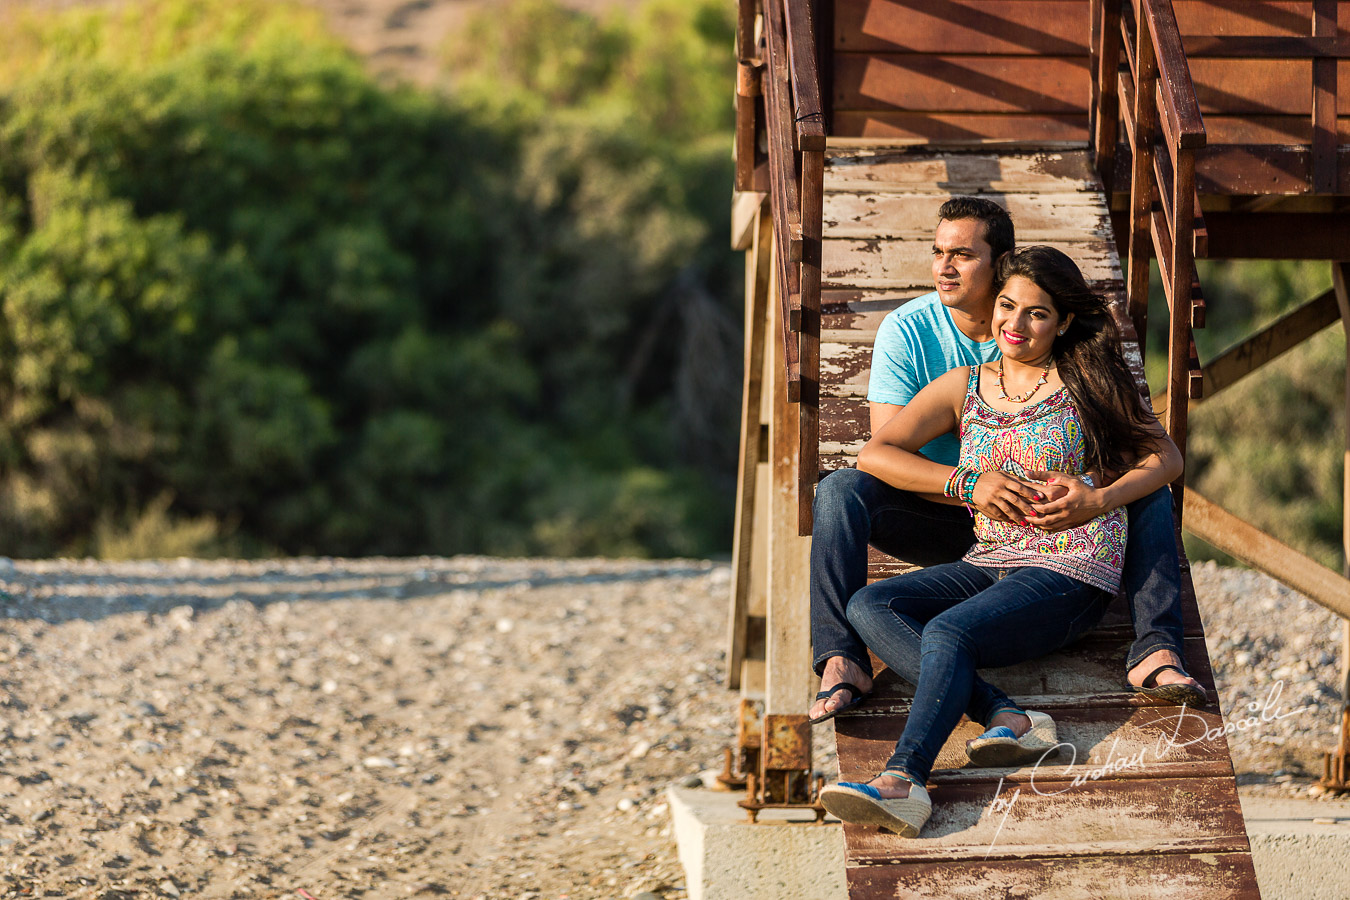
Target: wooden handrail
pixel 808 114
pixel 1182 109
pixel 1154 95
pixel 795 130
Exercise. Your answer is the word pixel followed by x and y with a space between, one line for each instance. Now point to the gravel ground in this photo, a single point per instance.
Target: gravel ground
pixel 465 727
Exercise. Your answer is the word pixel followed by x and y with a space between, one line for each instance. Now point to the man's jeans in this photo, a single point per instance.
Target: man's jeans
pixel 936 626
pixel 853 509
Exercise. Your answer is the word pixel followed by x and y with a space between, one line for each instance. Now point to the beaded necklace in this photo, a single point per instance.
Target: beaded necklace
pixel 1022 398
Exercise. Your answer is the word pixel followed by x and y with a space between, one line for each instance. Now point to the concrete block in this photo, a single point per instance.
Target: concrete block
pixel 1300 848
pixel 726 858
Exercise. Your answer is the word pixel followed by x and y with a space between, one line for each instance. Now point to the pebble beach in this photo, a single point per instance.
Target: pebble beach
pixel 467 727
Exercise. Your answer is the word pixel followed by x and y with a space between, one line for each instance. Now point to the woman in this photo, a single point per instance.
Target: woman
pixel 1060 400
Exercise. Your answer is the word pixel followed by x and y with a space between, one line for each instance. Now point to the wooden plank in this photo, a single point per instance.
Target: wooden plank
pixel 807 113
pixel 1142 742
pixel 1280 336
pixel 920 170
pixel 1171 815
pixel 1215 525
pixel 784 200
pixel 1261 170
pixel 757 277
pixel 745 209
pixel 1324 102
pixel 1037 217
pixel 1238 235
pixel 1105 89
pixel 1265 47
pixel 1276 86
pixel 1116 624
pixel 1030 27
pixel 876 263
pixel 1181 113
pixel 947 83
pixel 889 123
pixel 855 315
pixel 788 682
pixel 1090 673
pixel 749 69
pixel 1340 282
pixel 1207 876
pixel 1248 17
pixel 1143 113
pixel 812 173
pixel 1267 129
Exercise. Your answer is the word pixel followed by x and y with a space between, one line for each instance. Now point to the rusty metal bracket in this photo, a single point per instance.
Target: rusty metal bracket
pixel 1336 763
pixel 742 761
pixel 784 779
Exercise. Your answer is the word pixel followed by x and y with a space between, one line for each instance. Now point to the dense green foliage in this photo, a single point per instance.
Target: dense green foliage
pixel 1269 448
pixel 252 300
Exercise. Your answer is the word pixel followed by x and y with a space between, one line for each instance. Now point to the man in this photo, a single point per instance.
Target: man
pixel 915 344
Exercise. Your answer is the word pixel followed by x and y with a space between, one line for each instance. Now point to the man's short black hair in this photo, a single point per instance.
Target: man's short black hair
pixel 998 226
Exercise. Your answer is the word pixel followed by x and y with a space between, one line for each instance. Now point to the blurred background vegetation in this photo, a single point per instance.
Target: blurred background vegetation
pixel 257 300
pixel 1269 448
pixel 257 297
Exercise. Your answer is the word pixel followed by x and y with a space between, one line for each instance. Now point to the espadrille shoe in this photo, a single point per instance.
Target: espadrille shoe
pixel 862 804
pixel 1000 747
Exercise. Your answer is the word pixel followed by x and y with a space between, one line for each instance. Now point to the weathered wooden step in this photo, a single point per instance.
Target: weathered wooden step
pixel 1089 672
pixel 882 263
pixel 1038 218
pixel 1060 819
pixel 1176 876
pixel 1099 744
pixel 975 171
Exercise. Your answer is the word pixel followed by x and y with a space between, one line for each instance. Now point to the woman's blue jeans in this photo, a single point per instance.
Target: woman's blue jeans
pixel 854 509
pixel 936 626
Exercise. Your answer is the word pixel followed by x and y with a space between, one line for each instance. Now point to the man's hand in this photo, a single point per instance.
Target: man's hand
pixel 1073 502
pixel 1004 498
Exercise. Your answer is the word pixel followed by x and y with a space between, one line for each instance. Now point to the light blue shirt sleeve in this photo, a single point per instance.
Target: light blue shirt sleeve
pixel 894 377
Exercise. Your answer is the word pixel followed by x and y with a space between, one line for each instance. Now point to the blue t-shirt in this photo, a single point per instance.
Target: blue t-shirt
pixel 917 343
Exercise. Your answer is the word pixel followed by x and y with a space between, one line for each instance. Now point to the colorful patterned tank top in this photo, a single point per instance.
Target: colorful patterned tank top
pixel 1044 436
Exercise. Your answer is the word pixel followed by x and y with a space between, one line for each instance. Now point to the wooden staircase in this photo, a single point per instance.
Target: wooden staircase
pixel 1144 804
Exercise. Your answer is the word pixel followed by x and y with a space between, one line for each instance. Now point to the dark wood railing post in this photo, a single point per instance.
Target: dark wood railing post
pixel 1141 178
pixel 1105 107
pixel 1324 137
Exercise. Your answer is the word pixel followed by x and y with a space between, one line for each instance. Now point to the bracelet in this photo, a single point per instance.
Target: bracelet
pixel 968 486
pixel 954 481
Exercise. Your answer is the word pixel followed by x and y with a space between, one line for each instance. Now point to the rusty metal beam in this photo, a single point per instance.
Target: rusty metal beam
pixel 1225 531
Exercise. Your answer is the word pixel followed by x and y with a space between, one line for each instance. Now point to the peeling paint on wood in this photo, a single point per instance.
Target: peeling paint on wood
pixel 1208 876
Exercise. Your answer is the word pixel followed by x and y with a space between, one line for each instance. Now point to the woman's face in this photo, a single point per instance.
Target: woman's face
pixel 1025 321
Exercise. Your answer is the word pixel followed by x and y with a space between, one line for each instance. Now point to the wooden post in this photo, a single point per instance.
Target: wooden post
pixel 1324 139
pixel 788 682
pixel 1106 105
pixel 1179 330
pixel 1340 278
pixel 808 453
pixel 1141 180
pixel 757 278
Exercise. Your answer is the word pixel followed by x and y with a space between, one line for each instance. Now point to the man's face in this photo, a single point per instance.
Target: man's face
pixel 963 264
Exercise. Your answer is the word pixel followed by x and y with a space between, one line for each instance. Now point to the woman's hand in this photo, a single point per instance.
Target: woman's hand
pixel 1004 498
pixel 1073 502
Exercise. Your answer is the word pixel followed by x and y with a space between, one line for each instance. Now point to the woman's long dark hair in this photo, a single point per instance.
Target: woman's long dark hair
pixel 1116 430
